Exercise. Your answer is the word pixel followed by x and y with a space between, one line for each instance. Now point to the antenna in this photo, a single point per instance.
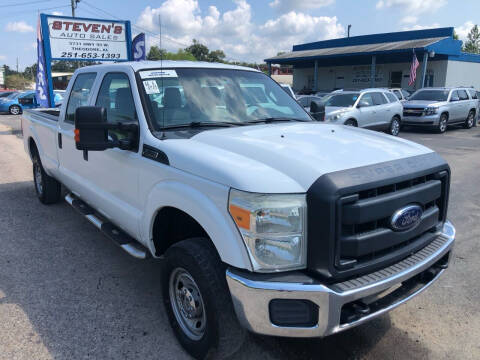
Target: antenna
pixel 161 67
pixel 160 28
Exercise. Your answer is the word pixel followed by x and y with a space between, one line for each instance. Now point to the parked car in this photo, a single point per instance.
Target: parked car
pixel 439 107
pixel 265 219
pixel 376 109
pixel 6 93
pixel 475 95
pixel 306 100
pixel 59 94
pixel 288 89
pixel 400 93
pixel 16 102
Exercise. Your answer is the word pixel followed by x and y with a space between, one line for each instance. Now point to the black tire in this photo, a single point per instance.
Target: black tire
pixel 470 121
pixel 15 110
pixel 350 122
pixel 221 333
pixel 48 189
pixel 395 126
pixel 442 124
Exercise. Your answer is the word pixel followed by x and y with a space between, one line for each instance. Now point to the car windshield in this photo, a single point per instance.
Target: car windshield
pixel 13 96
pixel 341 100
pixel 183 96
pixel 431 95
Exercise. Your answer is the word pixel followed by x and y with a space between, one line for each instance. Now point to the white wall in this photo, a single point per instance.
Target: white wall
pixel 461 73
pixel 358 76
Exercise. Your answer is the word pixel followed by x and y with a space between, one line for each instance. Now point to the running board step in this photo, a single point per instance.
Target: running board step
pixel 119 237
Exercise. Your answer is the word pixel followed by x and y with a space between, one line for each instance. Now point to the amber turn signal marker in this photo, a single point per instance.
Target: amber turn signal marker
pixel 77 135
pixel 240 216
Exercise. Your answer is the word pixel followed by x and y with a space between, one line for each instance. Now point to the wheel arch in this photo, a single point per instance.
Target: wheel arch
pixel 352 119
pixel 172 205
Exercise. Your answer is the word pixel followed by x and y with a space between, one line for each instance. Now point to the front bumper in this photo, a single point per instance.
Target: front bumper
pixel 253 293
pixel 425 120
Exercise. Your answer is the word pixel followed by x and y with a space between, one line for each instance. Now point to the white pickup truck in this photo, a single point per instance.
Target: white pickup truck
pixel 265 219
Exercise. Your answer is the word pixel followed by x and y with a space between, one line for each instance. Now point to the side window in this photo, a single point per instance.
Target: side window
pixel 79 95
pixel 378 98
pixel 115 95
pixel 473 94
pixel 462 94
pixel 397 94
pixel 392 98
pixel 367 98
pixel 454 96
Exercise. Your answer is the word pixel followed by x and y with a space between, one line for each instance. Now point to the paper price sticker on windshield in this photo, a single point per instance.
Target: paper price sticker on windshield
pixel 151 87
pixel 151 74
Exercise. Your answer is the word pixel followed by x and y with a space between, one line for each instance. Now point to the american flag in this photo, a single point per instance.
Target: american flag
pixel 413 70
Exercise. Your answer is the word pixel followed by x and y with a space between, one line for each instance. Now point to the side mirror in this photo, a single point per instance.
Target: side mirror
pixel 362 104
pixel 317 110
pixel 91 130
pixel 453 99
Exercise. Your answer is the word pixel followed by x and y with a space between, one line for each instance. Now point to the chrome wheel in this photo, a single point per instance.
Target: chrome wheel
pixel 442 126
pixel 395 127
pixel 37 173
pixel 187 304
pixel 14 110
pixel 470 119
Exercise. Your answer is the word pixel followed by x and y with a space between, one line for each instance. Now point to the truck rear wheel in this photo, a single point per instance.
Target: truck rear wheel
pixel 47 188
pixel 198 302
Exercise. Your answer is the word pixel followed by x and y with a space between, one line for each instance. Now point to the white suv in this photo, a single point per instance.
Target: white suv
pixel 376 109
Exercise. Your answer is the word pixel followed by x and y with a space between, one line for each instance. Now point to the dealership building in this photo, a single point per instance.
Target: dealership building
pixel 382 60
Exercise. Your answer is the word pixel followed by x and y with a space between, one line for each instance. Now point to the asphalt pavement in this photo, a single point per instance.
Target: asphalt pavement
pixel 67 292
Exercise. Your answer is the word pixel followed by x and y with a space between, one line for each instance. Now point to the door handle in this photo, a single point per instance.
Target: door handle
pixel 59 140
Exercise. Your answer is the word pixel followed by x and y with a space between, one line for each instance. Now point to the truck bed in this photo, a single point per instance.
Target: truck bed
pixel 44 113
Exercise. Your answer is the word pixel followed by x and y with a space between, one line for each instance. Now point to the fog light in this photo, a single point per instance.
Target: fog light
pixel 293 313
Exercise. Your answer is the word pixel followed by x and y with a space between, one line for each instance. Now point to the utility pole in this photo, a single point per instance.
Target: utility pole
pixel 348 31
pixel 74 6
pixel 17 64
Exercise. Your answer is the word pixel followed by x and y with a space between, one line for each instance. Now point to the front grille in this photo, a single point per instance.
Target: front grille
pixel 364 236
pixel 413 111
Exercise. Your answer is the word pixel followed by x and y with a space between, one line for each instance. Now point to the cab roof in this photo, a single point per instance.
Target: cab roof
pixel 144 65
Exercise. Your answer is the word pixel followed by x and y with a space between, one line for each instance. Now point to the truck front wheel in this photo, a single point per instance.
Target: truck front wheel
pixel 198 302
pixel 47 188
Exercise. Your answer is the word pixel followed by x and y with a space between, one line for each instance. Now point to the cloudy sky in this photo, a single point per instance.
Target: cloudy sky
pixel 248 30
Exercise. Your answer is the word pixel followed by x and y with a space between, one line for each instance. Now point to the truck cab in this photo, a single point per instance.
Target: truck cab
pixel 265 219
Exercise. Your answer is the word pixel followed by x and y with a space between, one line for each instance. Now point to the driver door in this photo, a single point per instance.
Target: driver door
pixel 113 172
pixel 367 114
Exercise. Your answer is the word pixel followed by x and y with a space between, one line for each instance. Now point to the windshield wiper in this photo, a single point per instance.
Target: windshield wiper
pixel 274 119
pixel 200 124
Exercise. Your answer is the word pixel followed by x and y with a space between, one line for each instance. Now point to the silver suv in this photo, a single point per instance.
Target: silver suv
pixel 376 109
pixel 439 107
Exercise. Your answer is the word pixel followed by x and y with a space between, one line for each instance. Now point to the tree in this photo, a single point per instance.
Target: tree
pixel 155 53
pixel 17 81
pixel 198 50
pixel 472 45
pixel 216 56
pixel 455 35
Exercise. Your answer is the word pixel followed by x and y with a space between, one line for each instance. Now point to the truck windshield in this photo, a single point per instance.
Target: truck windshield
pixel 431 95
pixel 183 96
pixel 341 100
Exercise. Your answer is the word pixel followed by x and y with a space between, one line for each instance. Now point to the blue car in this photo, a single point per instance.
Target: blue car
pixel 16 102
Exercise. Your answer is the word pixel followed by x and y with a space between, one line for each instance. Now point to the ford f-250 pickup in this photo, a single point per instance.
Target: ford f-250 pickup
pixel 266 220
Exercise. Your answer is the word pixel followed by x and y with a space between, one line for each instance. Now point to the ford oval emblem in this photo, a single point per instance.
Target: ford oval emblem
pixel 406 217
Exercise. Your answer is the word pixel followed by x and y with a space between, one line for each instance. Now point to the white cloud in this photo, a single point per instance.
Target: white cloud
pixel 3 57
pixel 421 27
pixel 19 26
pixel 413 6
pixel 58 13
pixel 409 19
pixel 233 31
pixel 289 5
pixel 464 29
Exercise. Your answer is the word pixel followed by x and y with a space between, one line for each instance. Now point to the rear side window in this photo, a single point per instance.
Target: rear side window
pixel 473 94
pixel 462 94
pixel 79 95
pixel 378 98
pixel 397 94
pixel 391 97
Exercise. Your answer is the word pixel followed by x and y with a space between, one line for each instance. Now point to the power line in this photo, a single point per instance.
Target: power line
pixel 24 3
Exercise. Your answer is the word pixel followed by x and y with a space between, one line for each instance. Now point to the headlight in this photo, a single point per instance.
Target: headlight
pixel 431 110
pixel 334 117
pixel 273 227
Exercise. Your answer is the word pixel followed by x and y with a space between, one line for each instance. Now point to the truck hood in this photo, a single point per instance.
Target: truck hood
pixel 422 103
pixel 279 158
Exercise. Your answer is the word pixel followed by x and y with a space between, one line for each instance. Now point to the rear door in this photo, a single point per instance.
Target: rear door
pixel 466 104
pixel 455 110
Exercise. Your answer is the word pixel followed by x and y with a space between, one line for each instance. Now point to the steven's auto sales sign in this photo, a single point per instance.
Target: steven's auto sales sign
pixel 72 38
